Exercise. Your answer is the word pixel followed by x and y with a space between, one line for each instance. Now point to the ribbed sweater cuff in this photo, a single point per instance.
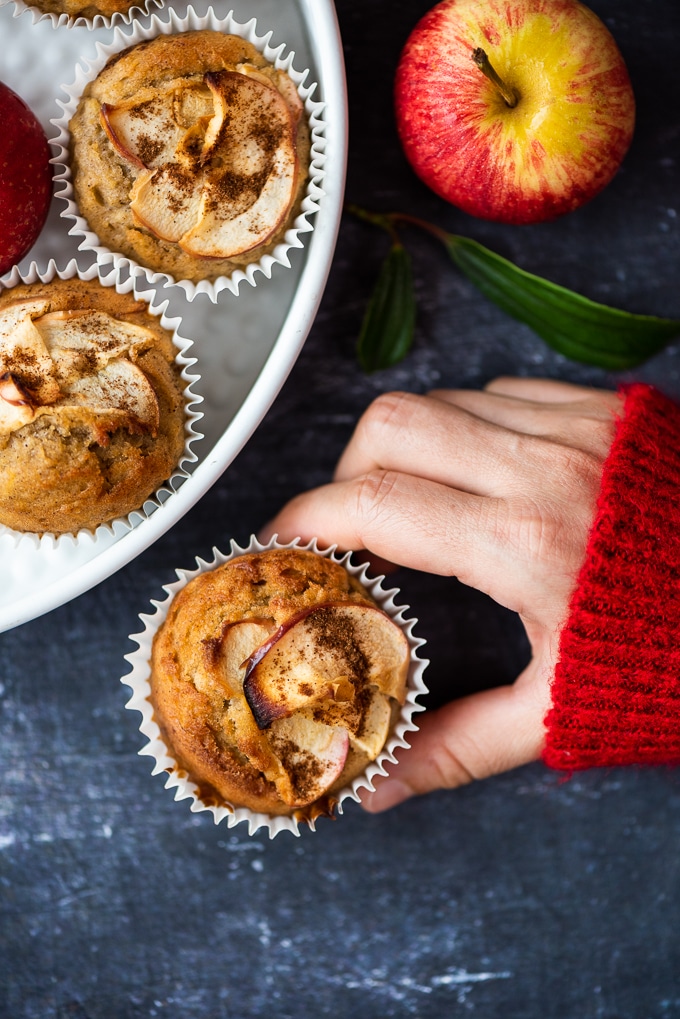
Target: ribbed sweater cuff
pixel 616 691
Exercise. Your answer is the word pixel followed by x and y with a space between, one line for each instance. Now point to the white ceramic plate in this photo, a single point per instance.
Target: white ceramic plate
pixel 245 344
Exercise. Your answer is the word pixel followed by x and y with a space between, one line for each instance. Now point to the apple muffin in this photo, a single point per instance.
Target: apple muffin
pixel 190 154
pixel 91 405
pixel 275 680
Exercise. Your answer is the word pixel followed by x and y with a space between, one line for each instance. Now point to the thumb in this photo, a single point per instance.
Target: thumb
pixel 471 738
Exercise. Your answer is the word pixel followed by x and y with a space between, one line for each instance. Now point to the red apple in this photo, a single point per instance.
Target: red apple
pixel 25 178
pixel 514 110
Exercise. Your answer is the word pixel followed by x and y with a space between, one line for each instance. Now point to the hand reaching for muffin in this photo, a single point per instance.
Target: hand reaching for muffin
pixel 499 489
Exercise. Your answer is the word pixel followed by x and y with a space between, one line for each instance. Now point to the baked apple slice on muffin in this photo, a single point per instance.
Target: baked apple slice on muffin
pixel 217 161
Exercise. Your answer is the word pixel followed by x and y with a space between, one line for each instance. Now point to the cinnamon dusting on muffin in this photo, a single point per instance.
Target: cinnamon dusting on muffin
pixel 290 610
pixel 100 420
pixel 231 124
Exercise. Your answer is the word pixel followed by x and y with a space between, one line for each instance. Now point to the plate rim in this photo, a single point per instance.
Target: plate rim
pixel 323 31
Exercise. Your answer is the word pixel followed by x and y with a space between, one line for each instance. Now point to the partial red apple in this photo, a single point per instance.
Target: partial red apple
pixel 514 110
pixel 25 178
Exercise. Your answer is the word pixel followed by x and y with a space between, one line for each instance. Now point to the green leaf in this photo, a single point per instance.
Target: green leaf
pixel 387 329
pixel 571 324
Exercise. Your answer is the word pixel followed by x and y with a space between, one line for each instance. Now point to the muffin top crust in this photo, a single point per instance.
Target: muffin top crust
pixel 275 679
pixel 91 405
pixel 190 154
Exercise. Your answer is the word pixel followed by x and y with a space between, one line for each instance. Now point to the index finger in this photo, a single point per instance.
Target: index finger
pixel 419 524
pixel 399 517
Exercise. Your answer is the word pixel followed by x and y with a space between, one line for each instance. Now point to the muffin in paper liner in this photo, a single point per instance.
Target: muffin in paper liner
pixel 140 8
pixel 177 778
pixel 277 56
pixel 115 528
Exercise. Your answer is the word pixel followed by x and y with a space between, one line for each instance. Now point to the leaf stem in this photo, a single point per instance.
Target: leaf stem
pixel 571 324
pixel 383 220
pixel 436 231
pixel 387 220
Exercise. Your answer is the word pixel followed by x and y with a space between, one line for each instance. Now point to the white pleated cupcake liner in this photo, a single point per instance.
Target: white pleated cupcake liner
pixel 109 276
pixel 156 748
pixel 88 70
pixel 140 9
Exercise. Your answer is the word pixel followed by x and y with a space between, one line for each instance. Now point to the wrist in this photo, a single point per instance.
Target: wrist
pixel 616 689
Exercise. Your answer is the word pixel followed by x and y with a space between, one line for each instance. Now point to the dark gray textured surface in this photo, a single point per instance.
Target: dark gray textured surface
pixel 521 897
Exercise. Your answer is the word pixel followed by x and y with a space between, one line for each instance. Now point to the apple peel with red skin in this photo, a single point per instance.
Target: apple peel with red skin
pixel 25 179
pixel 16 405
pixel 323 655
pixel 236 644
pixel 556 148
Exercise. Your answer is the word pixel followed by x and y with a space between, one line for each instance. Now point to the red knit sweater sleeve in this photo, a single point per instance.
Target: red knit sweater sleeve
pixel 616 691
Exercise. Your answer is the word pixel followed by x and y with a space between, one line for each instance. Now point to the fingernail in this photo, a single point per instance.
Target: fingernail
pixel 388 793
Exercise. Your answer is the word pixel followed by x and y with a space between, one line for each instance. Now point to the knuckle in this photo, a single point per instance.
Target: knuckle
pixel 451 770
pixel 570 471
pixel 600 436
pixel 388 412
pixel 550 515
pixel 524 527
pixel 538 533
pixel 578 471
pixel 445 770
pixel 548 538
pixel 372 494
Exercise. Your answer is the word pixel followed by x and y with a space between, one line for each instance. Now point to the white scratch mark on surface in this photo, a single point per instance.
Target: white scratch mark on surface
pixel 461 976
pixel 85 893
pixel 461 979
pixel 233 846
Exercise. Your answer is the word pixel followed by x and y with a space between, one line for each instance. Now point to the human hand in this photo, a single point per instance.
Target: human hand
pixel 497 488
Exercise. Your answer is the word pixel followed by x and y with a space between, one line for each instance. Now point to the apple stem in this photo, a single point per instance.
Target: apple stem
pixel 510 94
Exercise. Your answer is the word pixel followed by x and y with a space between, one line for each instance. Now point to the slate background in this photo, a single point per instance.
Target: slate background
pixel 523 896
